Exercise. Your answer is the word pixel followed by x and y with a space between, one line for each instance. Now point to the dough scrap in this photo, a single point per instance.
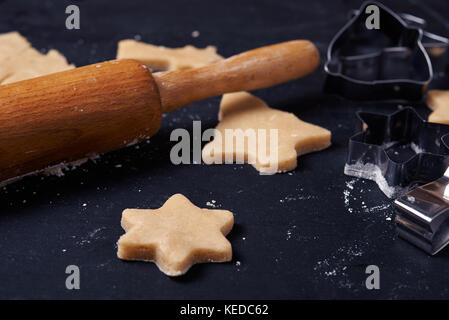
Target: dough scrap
pixel 167 59
pixel 20 61
pixel 176 236
pixel 12 43
pixel 438 101
pixel 244 111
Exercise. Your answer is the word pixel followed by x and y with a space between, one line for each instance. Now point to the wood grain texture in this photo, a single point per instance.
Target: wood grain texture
pixel 251 70
pixel 74 114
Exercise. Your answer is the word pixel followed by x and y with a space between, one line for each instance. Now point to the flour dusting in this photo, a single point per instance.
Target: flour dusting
pixel 335 268
pixel 358 201
pixel 56 170
pixel 91 236
pixel 372 172
pixel 213 204
pixel 416 149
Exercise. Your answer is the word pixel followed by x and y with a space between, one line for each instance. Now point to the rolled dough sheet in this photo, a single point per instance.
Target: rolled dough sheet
pixel 438 101
pixel 20 61
pixel 163 58
pixel 176 236
pixel 244 111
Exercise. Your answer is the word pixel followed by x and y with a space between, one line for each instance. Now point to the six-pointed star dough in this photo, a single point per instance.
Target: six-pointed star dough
pixel 20 61
pixel 244 111
pixel 163 58
pixel 176 236
pixel 438 101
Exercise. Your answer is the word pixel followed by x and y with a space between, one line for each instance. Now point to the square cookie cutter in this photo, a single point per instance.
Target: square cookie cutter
pixel 389 63
pixel 398 151
pixel 422 215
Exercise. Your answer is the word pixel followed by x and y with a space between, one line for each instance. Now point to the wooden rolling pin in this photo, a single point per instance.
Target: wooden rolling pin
pixel 90 110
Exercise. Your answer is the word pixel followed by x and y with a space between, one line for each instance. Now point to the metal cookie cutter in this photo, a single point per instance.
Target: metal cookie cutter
pixel 437 47
pixel 389 63
pixel 423 215
pixel 398 151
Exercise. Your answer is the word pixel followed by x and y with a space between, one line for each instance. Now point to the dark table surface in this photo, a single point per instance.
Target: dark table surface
pixel 306 234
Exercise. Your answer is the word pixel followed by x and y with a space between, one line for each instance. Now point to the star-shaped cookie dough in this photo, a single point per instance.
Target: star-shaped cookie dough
pixel 438 101
pixel 242 111
pixel 167 59
pixel 176 236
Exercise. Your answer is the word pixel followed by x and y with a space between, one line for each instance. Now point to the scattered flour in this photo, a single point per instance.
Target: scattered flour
pixel 212 204
pixel 335 267
pixel 289 232
pixel 416 149
pixel 372 172
pixel 91 236
pixel 56 170
pixel 355 197
pixel 347 194
pixel 238 264
pixel 298 196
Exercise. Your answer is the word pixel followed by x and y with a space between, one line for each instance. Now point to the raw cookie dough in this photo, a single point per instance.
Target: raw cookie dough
pixel 176 236
pixel 438 101
pixel 167 59
pixel 20 61
pixel 245 111
pixel 242 110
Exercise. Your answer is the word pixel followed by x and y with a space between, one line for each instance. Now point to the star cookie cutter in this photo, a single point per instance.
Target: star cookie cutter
pixel 422 215
pixel 389 63
pixel 398 151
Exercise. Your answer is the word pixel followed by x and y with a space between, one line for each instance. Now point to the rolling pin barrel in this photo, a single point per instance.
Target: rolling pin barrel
pixel 74 114
pixel 90 110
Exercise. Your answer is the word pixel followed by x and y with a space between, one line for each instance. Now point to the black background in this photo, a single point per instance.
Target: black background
pixel 294 235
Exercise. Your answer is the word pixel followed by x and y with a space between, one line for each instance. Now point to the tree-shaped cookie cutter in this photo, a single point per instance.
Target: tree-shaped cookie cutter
pixel 436 46
pixel 389 63
pixel 399 151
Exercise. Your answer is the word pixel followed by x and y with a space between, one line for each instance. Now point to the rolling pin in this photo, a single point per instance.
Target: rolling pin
pixel 90 110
